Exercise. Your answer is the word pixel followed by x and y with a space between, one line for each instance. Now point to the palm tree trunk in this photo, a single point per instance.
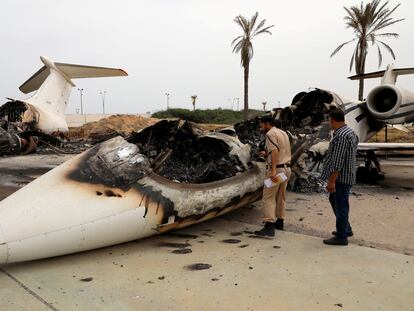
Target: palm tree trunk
pixel 361 90
pixel 246 92
pixel 363 58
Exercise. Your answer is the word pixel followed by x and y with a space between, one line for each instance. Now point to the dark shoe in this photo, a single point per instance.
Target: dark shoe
pixel 335 241
pixel 279 224
pixel 334 233
pixel 268 230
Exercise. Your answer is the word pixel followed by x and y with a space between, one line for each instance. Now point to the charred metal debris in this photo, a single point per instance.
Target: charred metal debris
pixel 180 151
pixel 17 130
pixel 188 155
pixel 305 122
pixel 18 134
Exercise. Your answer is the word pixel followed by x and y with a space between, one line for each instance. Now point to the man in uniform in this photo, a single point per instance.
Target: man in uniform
pixel 340 171
pixel 278 156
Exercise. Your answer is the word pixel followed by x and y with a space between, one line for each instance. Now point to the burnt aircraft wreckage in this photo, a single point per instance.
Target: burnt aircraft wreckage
pixel 42 116
pixel 167 176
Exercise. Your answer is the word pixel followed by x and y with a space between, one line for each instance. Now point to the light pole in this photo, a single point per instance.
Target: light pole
pixel 81 99
pixel 231 102
pixel 168 100
pixel 103 94
pixel 237 101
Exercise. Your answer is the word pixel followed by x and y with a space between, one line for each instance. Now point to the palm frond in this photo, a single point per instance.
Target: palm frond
pixel 340 47
pixel 387 35
pixel 351 63
pixel 234 41
pixel 253 20
pixel 242 22
pixel 238 46
pixel 388 48
pixel 264 30
pixel 386 23
pixel 379 56
pixel 261 24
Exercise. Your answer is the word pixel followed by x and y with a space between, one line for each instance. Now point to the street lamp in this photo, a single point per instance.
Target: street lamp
pixel 81 99
pixel 168 100
pixel 237 101
pixel 103 94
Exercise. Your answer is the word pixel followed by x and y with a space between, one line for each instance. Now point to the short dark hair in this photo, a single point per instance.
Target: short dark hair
pixel 337 115
pixel 267 119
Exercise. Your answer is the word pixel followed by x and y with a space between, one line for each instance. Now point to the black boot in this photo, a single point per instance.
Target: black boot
pixel 268 230
pixel 279 224
pixel 350 233
pixel 335 241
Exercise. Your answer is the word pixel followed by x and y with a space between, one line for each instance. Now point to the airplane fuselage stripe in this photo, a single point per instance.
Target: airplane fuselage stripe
pixel 407 105
pixel 404 114
pixel 361 117
pixel 352 109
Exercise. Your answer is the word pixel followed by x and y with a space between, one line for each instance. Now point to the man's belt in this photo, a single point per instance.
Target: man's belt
pixel 283 165
pixel 280 165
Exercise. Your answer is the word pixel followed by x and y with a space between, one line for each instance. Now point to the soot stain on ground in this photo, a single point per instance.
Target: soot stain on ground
pixel 231 241
pixel 174 245
pixel 182 251
pixel 198 266
pixel 182 235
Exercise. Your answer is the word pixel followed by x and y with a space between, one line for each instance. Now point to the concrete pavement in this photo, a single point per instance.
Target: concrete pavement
pixel 289 272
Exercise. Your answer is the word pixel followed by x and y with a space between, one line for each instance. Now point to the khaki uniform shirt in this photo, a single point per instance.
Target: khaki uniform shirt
pixel 276 139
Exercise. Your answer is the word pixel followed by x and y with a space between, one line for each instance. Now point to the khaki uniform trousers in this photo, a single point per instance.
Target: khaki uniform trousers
pixel 274 199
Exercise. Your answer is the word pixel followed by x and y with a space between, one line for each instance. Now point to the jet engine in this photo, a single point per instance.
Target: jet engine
pixel 391 104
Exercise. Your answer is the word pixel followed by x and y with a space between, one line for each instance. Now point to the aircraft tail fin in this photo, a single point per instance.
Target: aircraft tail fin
pixel 53 83
pixel 69 71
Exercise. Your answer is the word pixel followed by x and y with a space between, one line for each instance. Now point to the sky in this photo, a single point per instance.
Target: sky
pixel 182 47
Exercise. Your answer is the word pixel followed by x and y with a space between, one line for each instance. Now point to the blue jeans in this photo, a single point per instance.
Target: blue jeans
pixel 340 204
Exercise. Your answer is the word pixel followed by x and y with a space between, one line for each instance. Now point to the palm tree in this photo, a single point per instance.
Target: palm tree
pixel 194 99
pixel 243 45
pixel 264 105
pixel 367 22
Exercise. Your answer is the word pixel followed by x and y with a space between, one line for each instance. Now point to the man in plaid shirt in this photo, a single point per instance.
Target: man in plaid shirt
pixel 340 172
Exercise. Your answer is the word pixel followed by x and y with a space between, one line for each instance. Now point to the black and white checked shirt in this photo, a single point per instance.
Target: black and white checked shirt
pixel 341 156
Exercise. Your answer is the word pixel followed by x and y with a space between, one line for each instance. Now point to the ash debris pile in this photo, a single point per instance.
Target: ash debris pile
pixel 249 133
pixel 305 122
pixel 193 157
